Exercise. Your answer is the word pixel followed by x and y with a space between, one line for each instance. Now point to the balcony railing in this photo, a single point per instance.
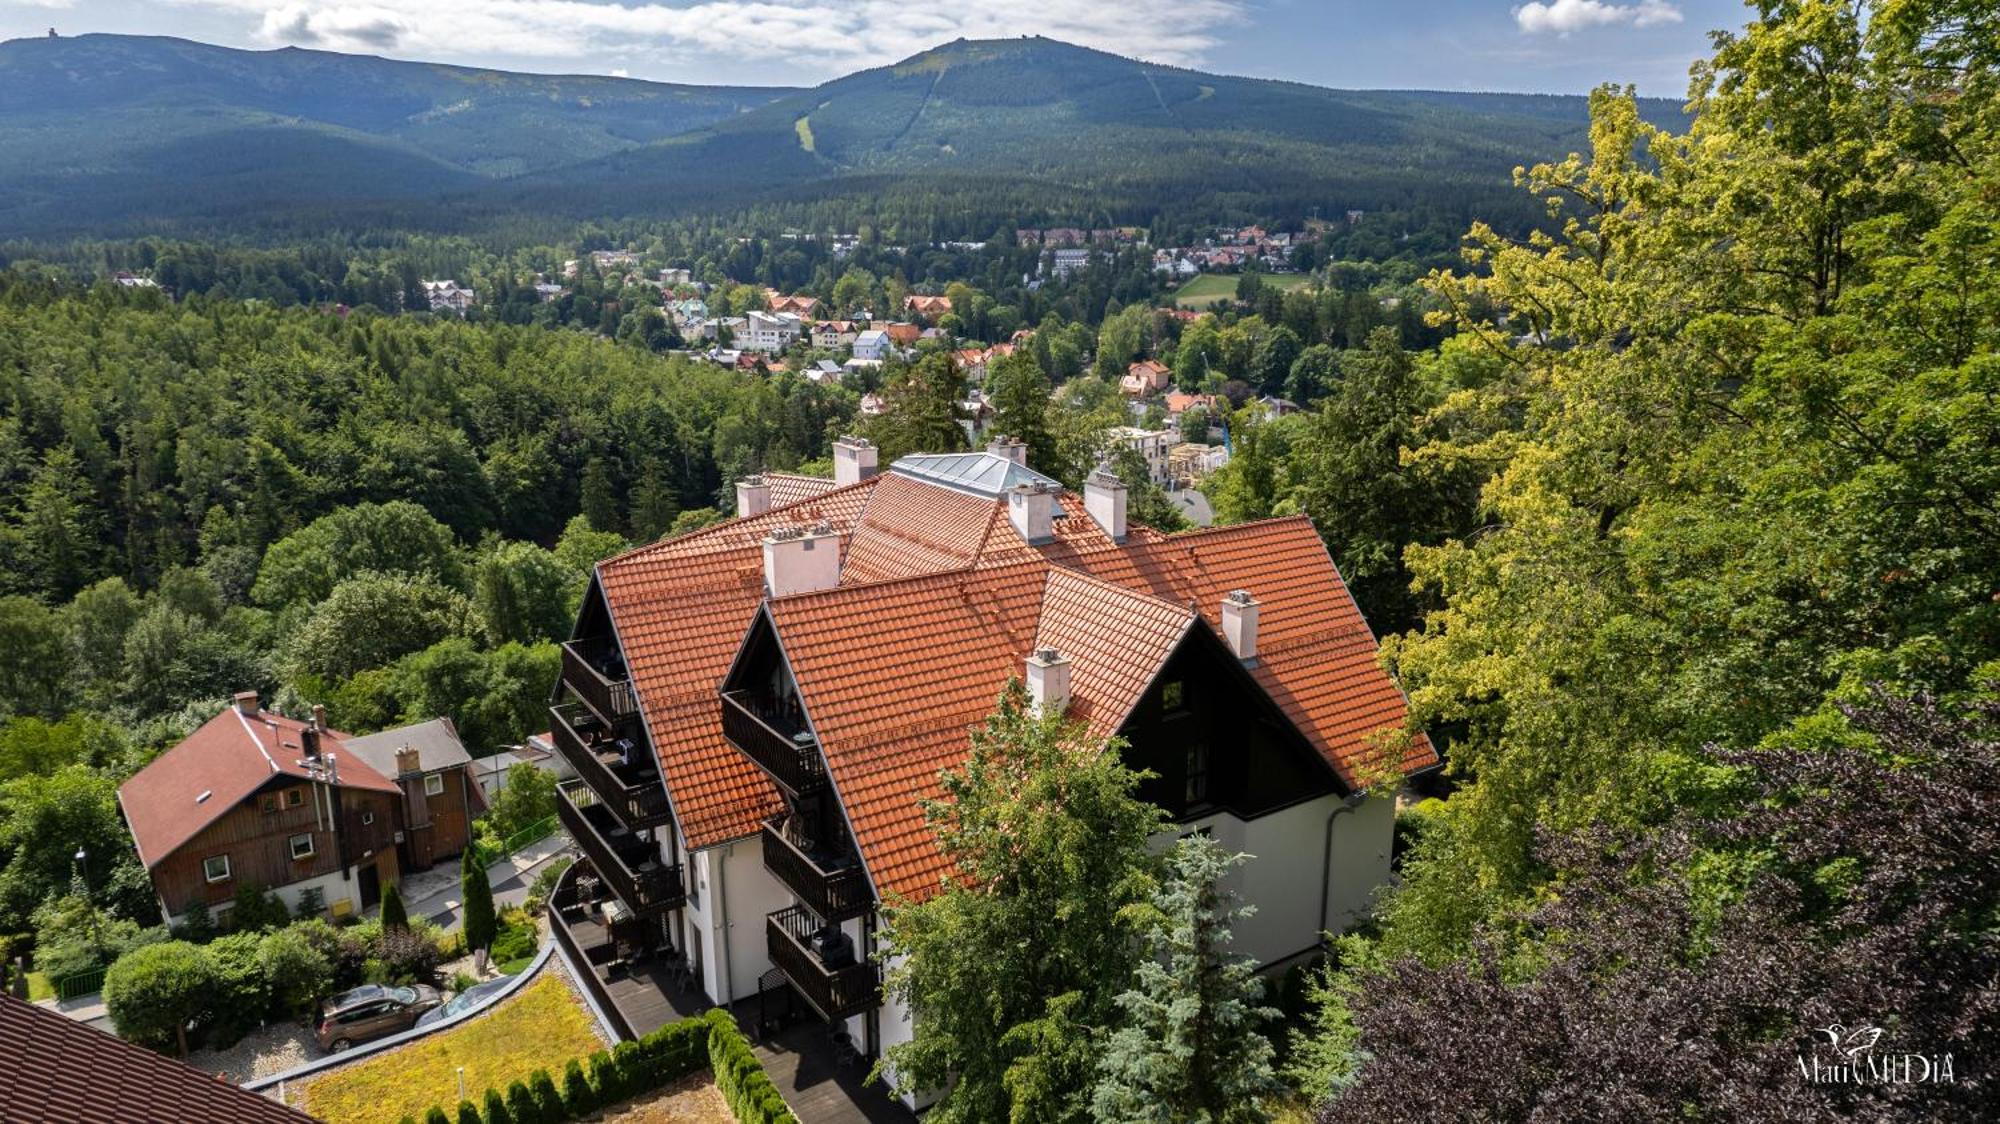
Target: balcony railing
pixel 594 672
pixel 831 975
pixel 620 769
pixel 832 886
pixel 780 747
pixel 629 864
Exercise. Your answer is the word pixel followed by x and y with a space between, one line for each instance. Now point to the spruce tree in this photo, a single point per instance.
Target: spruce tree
pixel 1189 1048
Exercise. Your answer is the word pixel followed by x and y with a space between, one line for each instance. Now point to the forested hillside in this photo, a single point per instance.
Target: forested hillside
pixel 110 133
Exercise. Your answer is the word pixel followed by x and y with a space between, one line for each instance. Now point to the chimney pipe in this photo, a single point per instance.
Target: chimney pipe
pixel 1032 510
pixel 1104 498
pixel 319 717
pixel 1009 448
pixel 853 460
pixel 801 560
pixel 246 703
pixel 1048 681
pixel 1239 623
pixel 753 496
pixel 309 742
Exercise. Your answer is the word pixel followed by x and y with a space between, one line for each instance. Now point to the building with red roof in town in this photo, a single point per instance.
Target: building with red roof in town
pixel 770 701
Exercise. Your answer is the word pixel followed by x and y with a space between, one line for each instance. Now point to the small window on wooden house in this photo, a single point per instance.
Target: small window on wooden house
pixel 1173 696
pixel 434 785
pixel 215 868
pixel 302 846
pixel 294 797
pixel 268 803
pixel 1197 773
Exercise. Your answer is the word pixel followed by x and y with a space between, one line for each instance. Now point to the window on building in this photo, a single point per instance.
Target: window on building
pixel 268 802
pixel 434 785
pixel 215 868
pixel 302 846
pixel 1173 696
pixel 367 818
pixel 1197 773
pixel 294 797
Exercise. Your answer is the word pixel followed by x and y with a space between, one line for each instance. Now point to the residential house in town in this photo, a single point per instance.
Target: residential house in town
pixel 1152 445
pixel 255 798
pixel 831 334
pixel 1179 403
pixel 758 711
pixel 903 335
pixel 1145 378
pixel 676 277
pixel 1063 263
pixel 447 296
pixel 802 306
pixel 769 331
pixel 873 344
pixel 926 308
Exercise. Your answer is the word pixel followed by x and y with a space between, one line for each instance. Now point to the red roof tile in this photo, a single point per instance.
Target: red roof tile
pixel 231 756
pixel 789 487
pixel 55 1070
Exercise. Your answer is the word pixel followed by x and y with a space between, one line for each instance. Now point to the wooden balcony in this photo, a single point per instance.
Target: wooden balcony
pixel 595 673
pixel 779 746
pixel 629 864
pixel 619 768
pixel 845 987
pixel 832 885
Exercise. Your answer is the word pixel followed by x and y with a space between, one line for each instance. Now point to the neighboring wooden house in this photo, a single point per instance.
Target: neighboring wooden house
pixel 440 794
pixel 258 799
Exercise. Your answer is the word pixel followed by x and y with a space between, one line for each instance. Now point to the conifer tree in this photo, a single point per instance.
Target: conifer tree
pixel 394 916
pixel 1189 1048
pixel 477 893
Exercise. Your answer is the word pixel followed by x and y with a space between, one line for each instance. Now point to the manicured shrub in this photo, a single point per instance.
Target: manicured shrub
pixel 436 1116
pixel 521 1105
pixel 496 1108
pixel 603 1070
pixel 153 993
pixel 468 1113
pixel 740 1077
pixel 578 1097
pixel 513 942
pixel 394 916
pixel 631 1069
pixel 544 1088
pixel 295 972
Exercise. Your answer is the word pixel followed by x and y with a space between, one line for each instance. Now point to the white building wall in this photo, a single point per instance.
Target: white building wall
pixel 735 893
pixel 1283 878
pixel 332 887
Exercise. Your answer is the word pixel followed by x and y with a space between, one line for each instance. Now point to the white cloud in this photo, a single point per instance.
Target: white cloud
pixel 805 39
pixel 1564 16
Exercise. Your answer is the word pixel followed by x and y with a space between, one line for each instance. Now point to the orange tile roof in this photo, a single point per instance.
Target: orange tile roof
pixel 789 487
pixel 229 757
pixel 936 583
pixel 681 608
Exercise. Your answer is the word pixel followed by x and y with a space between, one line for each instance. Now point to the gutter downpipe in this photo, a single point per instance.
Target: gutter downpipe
pixel 728 980
pixel 1352 802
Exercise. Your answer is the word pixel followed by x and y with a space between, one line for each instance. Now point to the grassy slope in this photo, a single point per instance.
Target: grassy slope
pixel 542 1027
pixel 1208 288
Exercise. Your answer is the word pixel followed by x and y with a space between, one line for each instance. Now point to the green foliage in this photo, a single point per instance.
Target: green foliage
pixel 44 822
pixel 1188 1047
pixel 578 1097
pixel 242 994
pixel 373 619
pixel 394 916
pixel 255 909
pixel 436 1115
pixel 468 1113
pixel 522 1107
pixel 154 993
pixel 399 537
pixel 496 1108
pixel 38 661
pixel 739 1076
pixel 1011 967
pixel 528 798
pixel 480 923
pixel 1020 393
pixel 546 1097
pixel 920 408
pixel 296 972
pixel 74 935
pixel 516 940
pixel 521 594
pixel 544 885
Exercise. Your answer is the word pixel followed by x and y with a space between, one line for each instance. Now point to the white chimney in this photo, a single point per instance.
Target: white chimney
pixel 1009 448
pixel 853 460
pixel 1032 509
pixel 801 560
pixel 1239 623
pixel 1048 681
pixel 246 703
pixel 1104 499
pixel 753 496
pixel 319 717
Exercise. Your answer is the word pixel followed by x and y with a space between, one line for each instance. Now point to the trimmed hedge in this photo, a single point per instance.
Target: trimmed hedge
pixel 741 1077
pixel 632 1069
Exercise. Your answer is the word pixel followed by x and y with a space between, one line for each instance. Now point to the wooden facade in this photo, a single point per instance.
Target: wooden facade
pixel 349 828
pixel 438 827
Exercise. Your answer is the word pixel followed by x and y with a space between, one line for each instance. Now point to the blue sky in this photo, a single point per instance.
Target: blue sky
pixel 1559 46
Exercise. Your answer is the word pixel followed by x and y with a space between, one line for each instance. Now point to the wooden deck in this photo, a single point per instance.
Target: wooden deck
pixel 799 1058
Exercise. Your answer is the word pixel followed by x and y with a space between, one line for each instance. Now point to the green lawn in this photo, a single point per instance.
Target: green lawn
pixel 1207 288
pixel 39 987
pixel 540 1028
